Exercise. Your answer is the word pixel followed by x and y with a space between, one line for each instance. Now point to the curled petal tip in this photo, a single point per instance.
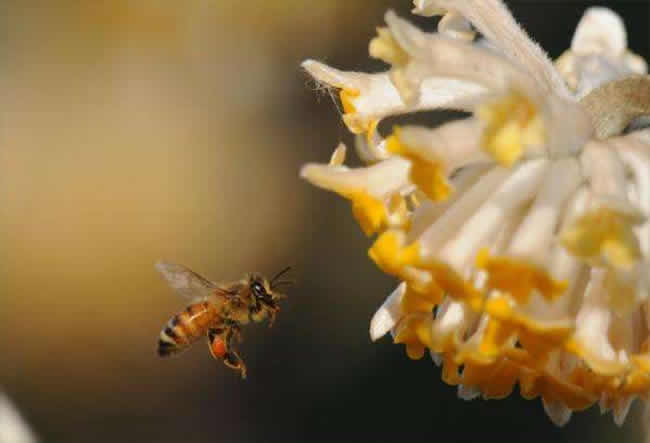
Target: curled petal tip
pixel 387 315
pixel 557 412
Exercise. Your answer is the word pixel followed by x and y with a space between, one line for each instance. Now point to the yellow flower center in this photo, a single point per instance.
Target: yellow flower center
pixel 511 123
pixel 603 235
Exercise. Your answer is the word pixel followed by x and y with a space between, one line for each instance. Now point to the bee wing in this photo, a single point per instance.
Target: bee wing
pixel 184 281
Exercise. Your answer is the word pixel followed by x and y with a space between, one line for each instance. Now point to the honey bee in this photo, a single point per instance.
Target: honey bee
pixel 218 311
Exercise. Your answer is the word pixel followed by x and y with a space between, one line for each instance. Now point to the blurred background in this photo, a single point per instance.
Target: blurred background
pixel 135 131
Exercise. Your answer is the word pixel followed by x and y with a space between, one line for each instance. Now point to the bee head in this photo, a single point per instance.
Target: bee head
pixel 264 291
pixel 261 290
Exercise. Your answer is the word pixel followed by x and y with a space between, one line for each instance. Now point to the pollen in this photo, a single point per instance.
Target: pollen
pixel 512 123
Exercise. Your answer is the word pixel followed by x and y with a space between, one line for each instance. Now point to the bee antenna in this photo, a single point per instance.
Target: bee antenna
pixel 279 274
pixel 283 282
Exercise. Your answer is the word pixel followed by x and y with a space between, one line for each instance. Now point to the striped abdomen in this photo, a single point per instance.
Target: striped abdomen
pixel 186 327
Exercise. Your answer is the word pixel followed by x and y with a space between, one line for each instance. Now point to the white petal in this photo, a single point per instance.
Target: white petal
pixel 602 165
pixel 456 26
pixel 482 226
pixel 379 98
pixel 436 358
pixel 454 144
pixel 448 224
pixel 453 319
pixel 371 148
pixel 12 426
pixel 388 314
pixel 534 237
pixel 429 212
pixel 557 411
pixel 427 8
pixel 635 63
pixel 468 393
pixel 599 52
pixel 637 161
pixel 493 20
pixel 621 409
pixel 593 321
pixel 600 31
pixel 436 56
pixel 377 180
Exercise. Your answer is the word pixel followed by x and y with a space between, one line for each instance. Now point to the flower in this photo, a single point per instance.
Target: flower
pixel 519 234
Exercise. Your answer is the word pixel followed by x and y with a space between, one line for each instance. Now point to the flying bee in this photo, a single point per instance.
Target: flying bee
pixel 218 311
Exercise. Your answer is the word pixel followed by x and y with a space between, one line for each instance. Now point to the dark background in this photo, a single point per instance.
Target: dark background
pixel 143 130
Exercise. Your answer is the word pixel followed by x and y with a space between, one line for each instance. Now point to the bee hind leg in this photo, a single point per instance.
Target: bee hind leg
pixel 234 361
pixel 232 358
pixel 220 342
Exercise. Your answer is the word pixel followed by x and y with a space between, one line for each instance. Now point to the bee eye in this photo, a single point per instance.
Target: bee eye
pixel 258 289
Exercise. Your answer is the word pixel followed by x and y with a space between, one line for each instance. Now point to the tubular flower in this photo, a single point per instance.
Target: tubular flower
pixel 519 234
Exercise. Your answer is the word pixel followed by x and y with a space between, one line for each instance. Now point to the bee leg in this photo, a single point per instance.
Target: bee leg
pixel 231 358
pixel 272 315
pixel 234 361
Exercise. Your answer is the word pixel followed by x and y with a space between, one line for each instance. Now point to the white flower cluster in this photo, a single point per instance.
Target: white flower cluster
pixel 520 233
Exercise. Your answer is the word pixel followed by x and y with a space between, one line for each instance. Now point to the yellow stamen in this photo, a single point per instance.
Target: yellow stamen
pixel 347 95
pixel 428 175
pixel 538 339
pixel 496 337
pixel 603 235
pixel 369 212
pixel 518 278
pixel 495 380
pixel 420 301
pixel 414 331
pixel 351 120
pixel 453 284
pixel 512 123
pixel 391 256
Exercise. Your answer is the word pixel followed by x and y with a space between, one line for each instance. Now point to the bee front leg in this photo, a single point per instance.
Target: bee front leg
pixel 272 315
